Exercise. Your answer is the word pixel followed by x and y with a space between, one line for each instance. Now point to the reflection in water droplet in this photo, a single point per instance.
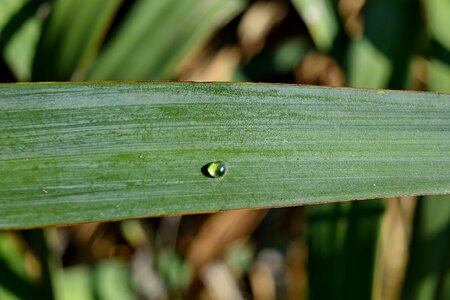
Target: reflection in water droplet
pixel 216 169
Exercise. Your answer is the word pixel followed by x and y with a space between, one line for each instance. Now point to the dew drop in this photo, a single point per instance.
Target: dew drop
pixel 216 169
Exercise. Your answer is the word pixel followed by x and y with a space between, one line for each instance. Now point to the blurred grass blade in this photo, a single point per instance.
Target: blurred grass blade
pixel 439 64
pixel 382 57
pixel 429 265
pixel 38 244
pixel 71 37
pixel 107 150
pixel 74 283
pixel 19 33
pixel 320 19
pixel 367 66
pixel 439 75
pixel 341 241
pixel 14 283
pixel 396 227
pixel 112 281
pixel 438 20
pixel 158 34
pixel 273 64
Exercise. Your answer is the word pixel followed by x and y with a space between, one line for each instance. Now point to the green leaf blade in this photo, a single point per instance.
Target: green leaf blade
pixel 71 38
pixel 104 151
pixel 156 36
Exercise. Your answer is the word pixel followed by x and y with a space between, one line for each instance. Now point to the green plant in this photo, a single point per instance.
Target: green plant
pixel 100 151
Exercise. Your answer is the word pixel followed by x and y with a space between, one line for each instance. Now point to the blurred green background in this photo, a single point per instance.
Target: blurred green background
pixel 378 249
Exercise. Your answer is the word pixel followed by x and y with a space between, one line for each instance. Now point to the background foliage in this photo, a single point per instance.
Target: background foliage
pixel 380 249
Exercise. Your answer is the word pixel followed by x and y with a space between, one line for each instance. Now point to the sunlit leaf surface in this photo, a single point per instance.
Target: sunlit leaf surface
pixel 104 151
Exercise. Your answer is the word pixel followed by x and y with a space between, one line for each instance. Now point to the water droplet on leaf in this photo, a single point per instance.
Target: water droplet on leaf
pixel 216 169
